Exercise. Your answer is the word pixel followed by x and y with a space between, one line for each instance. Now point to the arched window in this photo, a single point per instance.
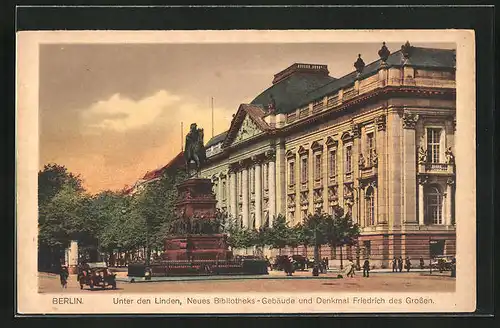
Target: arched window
pixel 433 205
pixel 370 206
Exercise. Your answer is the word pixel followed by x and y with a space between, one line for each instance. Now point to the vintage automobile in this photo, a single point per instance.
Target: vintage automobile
pixel 442 263
pixel 282 261
pixel 301 263
pixel 96 275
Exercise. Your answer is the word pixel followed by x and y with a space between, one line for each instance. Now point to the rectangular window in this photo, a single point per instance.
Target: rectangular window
pixel 368 248
pixel 317 167
pixel 291 173
pixel 348 159
pixel 433 141
pixel 332 164
pixel 303 170
pixel 370 147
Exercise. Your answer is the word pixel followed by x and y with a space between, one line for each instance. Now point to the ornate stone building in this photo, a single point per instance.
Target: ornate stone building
pixel 379 142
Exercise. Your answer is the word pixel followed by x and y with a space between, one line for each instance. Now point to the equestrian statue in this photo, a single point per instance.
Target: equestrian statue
pixel 195 149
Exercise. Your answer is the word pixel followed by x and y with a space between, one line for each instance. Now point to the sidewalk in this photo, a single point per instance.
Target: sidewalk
pixel 424 271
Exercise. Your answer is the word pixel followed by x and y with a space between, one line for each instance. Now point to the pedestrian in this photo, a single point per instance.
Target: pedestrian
pixel 327 263
pixel 366 268
pixel 407 264
pixel 350 269
pixel 394 264
pixel 63 276
pixel 400 264
pixel 421 262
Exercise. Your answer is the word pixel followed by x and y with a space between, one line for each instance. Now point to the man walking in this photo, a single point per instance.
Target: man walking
pixel 400 264
pixel 408 264
pixel 394 265
pixel 366 268
pixel 350 268
pixel 63 276
pixel 421 262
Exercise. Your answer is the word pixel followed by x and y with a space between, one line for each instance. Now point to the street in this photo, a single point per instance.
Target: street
pixel 274 282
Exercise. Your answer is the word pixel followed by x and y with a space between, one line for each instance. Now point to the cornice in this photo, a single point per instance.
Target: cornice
pixel 343 109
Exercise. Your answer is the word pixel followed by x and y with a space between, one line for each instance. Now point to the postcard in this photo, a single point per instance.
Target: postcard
pixel 245 172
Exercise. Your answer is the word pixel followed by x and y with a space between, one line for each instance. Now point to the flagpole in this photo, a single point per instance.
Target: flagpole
pixel 182 140
pixel 212 117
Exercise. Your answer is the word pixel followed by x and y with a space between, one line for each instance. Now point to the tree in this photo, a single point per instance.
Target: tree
pixel 111 212
pixel 153 210
pixel 52 179
pixel 279 233
pixel 317 228
pixel 67 216
pixel 343 231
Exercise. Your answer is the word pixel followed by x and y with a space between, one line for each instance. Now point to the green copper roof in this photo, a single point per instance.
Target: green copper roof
pixel 300 89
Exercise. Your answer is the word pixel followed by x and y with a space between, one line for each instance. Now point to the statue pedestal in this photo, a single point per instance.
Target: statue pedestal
pixel 197 247
pixel 196 199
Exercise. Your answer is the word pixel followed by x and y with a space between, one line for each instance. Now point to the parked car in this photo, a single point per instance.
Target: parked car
pixel 96 275
pixel 301 263
pixel 442 263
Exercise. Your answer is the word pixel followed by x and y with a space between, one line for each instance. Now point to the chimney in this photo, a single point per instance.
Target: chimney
pixel 301 68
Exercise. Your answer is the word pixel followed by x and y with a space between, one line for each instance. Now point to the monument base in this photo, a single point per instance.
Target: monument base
pixel 196 247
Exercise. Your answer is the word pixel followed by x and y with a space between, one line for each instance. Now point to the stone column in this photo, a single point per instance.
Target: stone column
pixel 362 211
pixel 449 184
pixel 410 168
pixel 356 151
pixel 244 193
pixel 421 209
pixel 233 206
pixel 394 170
pixel 280 177
pixel 272 187
pixel 381 155
pixel 258 195
pixel 220 192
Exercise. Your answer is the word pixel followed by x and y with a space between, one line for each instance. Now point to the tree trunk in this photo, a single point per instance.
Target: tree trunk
pixel 316 254
pixel 341 262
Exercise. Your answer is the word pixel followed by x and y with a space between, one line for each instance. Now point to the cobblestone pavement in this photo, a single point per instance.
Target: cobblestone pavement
pixel 384 282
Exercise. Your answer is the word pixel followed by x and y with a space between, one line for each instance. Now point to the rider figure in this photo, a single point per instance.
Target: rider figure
pixel 194 147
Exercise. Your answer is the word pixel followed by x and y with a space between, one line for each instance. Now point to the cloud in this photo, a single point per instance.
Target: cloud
pixel 121 114
pixel 124 138
pixel 163 108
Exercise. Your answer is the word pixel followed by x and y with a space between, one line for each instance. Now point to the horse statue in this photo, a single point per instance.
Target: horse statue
pixel 195 149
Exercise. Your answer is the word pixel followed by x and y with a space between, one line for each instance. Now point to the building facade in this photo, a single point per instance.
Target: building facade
pixel 379 142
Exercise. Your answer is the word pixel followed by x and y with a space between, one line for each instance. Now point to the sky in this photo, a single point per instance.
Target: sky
pixel 112 112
